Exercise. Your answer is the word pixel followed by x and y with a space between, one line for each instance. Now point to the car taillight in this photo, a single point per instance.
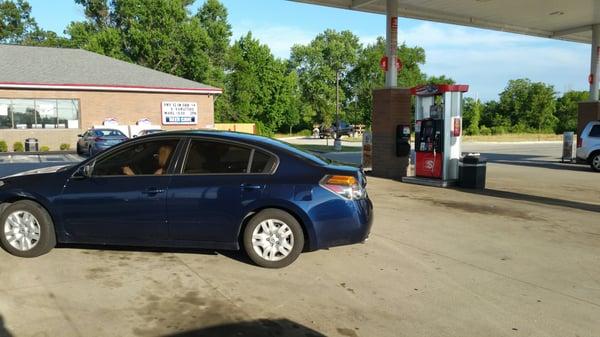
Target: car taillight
pixel 346 187
pixel 579 142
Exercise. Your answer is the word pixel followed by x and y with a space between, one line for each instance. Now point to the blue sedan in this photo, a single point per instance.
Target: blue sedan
pixel 197 189
pixel 98 140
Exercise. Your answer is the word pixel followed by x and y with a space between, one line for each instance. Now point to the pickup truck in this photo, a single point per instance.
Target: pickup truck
pixel 334 131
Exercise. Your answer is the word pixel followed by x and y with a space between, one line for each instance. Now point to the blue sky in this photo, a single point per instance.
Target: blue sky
pixel 484 59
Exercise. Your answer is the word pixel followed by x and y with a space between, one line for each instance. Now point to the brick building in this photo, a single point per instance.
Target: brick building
pixel 53 94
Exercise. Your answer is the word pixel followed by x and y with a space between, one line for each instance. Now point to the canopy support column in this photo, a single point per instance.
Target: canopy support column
pixel 595 66
pixel 391 76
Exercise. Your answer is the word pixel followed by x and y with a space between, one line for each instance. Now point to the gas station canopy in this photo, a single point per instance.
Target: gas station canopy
pixel 569 20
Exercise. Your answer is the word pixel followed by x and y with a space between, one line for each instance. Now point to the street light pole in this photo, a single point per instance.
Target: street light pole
pixel 337 98
pixel 337 142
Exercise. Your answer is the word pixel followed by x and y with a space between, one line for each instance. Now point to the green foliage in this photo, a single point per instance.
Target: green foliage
pixel 366 75
pixel 472 111
pixel 44 149
pixel 18 147
pixel 260 88
pixel 3 146
pixel 16 22
pixel 567 110
pixel 318 64
pixel 65 147
pixel 529 103
pixel 485 131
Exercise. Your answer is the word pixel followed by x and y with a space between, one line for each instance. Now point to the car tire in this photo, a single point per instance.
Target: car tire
pixel 273 238
pixel 595 161
pixel 90 152
pixel 79 151
pixel 26 229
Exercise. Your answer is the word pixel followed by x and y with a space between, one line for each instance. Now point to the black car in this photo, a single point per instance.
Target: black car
pixel 336 130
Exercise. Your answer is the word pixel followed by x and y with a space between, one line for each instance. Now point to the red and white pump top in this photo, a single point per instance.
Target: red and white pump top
pixel 438 89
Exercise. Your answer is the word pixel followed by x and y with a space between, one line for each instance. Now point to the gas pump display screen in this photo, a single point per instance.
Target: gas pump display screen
pixel 428 131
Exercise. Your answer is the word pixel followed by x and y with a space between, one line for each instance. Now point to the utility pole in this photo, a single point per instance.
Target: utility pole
pixel 337 142
pixel 337 97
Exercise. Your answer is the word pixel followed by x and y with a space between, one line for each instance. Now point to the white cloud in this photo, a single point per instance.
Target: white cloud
pixel 485 59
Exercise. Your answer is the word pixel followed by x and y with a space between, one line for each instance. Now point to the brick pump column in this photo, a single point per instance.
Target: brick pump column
pixel 391 107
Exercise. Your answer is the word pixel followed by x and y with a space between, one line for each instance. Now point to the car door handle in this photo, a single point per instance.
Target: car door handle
pixel 153 190
pixel 249 187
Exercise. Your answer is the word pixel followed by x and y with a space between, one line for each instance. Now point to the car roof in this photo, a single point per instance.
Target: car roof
pixel 266 142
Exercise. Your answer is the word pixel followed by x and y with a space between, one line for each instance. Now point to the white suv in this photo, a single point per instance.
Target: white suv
pixel 588 145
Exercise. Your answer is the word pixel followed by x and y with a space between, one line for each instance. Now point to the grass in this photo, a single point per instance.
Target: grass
pixel 325 148
pixel 514 137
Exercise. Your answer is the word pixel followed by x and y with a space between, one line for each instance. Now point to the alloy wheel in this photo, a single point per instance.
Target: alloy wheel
pixel 22 230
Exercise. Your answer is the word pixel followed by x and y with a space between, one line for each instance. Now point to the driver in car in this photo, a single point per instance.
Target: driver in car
pixel 164 152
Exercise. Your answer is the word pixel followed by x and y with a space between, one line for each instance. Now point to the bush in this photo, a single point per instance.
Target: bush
pixel 499 130
pixel 484 131
pixel 3 146
pixel 65 147
pixel 18 147
pixel 305 133
pixel 44 149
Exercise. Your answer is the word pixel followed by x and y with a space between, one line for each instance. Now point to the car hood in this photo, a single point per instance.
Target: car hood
pixel 43 170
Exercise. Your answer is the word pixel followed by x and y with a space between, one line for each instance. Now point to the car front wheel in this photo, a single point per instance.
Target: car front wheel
pixel 27 229
pixel 595 162
pixel 273 238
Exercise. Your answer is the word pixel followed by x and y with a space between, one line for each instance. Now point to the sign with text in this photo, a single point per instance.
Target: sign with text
pixel 179 113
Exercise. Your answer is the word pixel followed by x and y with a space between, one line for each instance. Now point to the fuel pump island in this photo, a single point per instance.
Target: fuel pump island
pixel 438 132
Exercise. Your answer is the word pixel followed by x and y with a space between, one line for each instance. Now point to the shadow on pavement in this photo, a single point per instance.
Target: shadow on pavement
pixel 3 331
pixel 537 199
pixel 532 161
pixel 258 328
pixel 237 255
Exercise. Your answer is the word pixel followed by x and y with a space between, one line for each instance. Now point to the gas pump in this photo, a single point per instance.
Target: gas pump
pixel 438 131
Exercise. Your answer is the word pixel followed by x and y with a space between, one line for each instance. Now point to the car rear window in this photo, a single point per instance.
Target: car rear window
pixel 104 133
pixel 208 157
pixel 262 162
pixel 595 131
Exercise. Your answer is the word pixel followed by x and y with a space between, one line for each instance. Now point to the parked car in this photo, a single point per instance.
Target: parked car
pixel 588 145
pixel 97 140
pixel 335 130
pixel 148 132
pixel 200 189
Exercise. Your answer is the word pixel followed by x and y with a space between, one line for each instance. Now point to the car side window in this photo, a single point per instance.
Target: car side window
pixel 262 162
pixel 595 131
pixel 145 158
pixel 210 157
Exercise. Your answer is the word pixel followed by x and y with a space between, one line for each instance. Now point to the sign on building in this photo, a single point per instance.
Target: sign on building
pixel 179 113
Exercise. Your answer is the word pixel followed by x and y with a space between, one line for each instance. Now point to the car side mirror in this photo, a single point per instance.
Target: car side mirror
pixel 84 172
pixel 79 135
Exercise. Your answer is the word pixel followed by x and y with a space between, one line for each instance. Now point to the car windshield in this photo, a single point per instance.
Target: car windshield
pixel 108 132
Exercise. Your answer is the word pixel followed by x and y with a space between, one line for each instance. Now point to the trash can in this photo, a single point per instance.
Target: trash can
pixel 471 171
pixel 31 145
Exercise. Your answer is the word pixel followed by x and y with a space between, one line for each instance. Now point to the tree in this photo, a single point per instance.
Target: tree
pixel 16 22
pixel 317 64
pixel 17 26
pixel 528 106
pixel 260 86
pixel 158 34
pixel 366 76
pixel 567 110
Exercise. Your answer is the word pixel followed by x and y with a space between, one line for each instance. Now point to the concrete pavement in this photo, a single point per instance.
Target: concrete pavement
pixel 520 259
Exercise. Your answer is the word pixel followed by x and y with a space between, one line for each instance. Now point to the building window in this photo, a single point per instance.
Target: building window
pixel 39 113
